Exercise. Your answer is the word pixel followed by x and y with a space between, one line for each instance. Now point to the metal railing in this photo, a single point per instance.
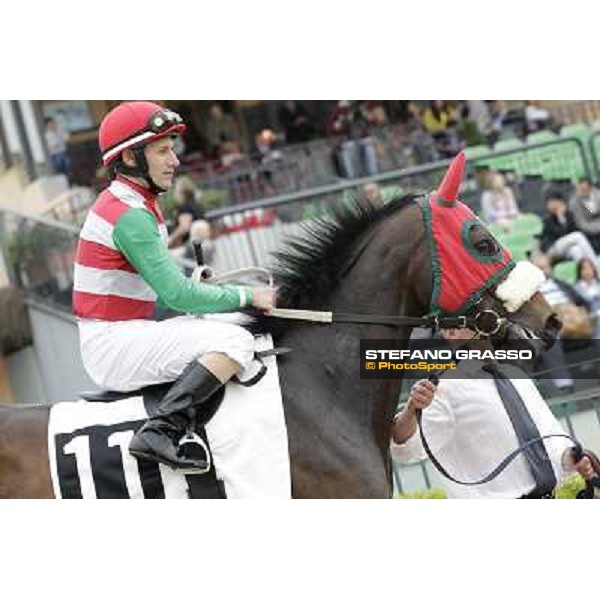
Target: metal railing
pixel 70 207
pixel 594 151
pixel 299 166
pixel 245 238
pixel 39 254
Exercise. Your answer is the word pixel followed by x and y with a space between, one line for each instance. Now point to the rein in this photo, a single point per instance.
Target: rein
pixel 357 318
pixel 485 322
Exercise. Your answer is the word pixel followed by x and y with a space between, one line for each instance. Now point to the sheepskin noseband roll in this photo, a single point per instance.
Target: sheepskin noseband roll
pixel 520 285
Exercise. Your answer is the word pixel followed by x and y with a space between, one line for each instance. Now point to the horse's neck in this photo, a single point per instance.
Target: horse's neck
pixel 321 379
pixel 339 425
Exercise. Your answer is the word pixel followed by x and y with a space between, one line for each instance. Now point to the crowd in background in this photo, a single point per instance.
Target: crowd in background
pixel 427 130
pixel 358 137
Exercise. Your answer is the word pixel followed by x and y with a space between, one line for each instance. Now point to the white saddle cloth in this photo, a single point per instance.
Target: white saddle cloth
pixel 248 439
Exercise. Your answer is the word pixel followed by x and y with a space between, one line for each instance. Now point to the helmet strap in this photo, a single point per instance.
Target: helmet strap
pixel 140 169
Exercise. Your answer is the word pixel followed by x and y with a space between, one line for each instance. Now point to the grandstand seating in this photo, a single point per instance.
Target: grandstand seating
pixel 474 152
pixel 520 238
pixel 513 161
pixel 579 130
pixel 567 271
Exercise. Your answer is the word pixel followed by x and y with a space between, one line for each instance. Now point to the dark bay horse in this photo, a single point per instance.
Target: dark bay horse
pixel 372 261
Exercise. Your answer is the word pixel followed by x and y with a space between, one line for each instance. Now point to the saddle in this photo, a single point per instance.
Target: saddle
pixel 154 392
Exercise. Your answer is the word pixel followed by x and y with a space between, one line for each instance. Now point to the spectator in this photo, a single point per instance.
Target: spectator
pixel 498 114
pixel 372 193
pixel 187 211
pixel 479 113
pixel 356 154
pixel 400 111
pixel 536 117
pixel 560 238
pixel 265 152
pixel 470 130
pixel 340 118
pixel 230 155
pixel 440 120
pixel 562 297
pixel 436 117
pixel 296 123
pixel 585 208
pixel 588 286
pixel 56 141
pixel 268 156
pixel 375 114
pixel 382 136
pixel 201 232
pixel 483 177
pixel 422 143
pixel 498 204
pixel 222 131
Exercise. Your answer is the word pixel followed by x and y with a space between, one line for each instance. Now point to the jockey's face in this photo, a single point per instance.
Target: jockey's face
pixel 162 162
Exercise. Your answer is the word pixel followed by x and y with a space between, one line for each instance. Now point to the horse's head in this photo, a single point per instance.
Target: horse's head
pixel 475 276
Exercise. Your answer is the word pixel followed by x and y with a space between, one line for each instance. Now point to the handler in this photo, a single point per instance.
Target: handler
pixel 477 416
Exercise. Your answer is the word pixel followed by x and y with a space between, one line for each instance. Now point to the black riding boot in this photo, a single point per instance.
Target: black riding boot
pixel 158 439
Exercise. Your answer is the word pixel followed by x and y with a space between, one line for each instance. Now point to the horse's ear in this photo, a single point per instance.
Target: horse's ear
pixel 448 189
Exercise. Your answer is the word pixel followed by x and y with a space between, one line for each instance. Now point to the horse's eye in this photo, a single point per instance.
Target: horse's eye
pixel 487 247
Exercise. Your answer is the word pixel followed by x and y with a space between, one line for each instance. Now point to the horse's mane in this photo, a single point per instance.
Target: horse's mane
pixel 308 265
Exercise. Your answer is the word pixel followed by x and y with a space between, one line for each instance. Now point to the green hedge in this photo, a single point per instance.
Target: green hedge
pixel 433 494
pixel 567 491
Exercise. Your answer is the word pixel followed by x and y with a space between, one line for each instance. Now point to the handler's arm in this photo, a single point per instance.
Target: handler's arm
pixel 405 423
pixel 438 420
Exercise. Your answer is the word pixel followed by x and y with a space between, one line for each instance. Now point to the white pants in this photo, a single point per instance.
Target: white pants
pixel 128 355
pixel 573 246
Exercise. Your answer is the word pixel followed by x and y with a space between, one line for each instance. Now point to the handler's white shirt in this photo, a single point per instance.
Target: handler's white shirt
pixel 470 433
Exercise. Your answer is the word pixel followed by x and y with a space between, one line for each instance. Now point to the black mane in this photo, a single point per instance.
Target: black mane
pixel 308 265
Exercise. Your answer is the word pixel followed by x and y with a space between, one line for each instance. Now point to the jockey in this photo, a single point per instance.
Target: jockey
pixel 123 267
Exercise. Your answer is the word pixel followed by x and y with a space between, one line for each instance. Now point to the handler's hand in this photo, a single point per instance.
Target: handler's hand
pixel 583 467
pixel 264 298
pixel 421 394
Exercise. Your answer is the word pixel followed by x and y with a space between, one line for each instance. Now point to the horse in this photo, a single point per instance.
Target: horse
pixel 362 259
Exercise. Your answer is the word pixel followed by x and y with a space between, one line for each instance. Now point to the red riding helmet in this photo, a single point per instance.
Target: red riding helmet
pixel 132 124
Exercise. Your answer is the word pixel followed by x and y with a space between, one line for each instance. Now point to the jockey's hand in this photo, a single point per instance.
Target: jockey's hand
pixel 264 297
pixel 202 273
pixel 421 394
pixel 583 467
